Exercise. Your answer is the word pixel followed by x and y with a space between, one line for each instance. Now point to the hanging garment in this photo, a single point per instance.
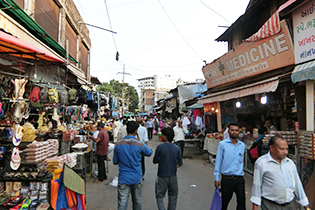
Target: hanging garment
pixel 43 95
pixel 34 96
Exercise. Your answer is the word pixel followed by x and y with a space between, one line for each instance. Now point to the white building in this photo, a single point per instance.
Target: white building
pixel 161 85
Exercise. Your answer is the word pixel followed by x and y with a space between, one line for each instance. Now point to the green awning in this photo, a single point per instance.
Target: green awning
pixel 18 14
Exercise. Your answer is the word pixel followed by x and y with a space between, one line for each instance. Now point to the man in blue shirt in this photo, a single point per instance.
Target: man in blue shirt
pixel 150 125
pixel 127 154
pixel 229 163
pixel 168 156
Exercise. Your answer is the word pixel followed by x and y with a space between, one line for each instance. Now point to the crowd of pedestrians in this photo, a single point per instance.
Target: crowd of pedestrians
pixel 276 182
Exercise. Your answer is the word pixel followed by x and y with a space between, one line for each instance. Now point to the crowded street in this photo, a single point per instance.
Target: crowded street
pixel 195 180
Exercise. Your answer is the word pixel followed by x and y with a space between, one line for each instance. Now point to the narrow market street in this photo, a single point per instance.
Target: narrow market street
pixel 195 180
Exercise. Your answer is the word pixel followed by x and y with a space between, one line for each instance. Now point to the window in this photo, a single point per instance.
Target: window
pixel 47 16
pixel 72 37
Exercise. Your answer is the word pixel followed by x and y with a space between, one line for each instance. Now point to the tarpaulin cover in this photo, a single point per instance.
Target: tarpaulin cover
pixel 188 92
pixel 264 86
pixel 304 72
pixel 16 47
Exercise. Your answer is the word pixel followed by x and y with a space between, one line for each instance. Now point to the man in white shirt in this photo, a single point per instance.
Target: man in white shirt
pixel 150 126
pixel 276 180
pixel 142 136
pixel 122 132
pixel 180 131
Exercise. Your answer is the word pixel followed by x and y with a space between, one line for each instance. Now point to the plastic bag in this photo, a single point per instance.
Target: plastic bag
pixel 216 203
pixel 114 183
pixel 154 132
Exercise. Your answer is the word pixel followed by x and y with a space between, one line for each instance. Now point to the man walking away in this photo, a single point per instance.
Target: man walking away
pixel 127 154
pixel 179 137
pixel 101 151
pixel 122 132
pixel 150 125
pixel 276 180
pixel 143 137
pixel 168 156
pixel 229 163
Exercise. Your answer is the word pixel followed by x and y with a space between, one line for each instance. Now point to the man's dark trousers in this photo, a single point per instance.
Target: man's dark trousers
pixel 230 185
pixel 150 133
pixel 101 167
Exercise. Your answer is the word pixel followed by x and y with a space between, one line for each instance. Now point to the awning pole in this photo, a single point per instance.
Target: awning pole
pixel 219 119
pixel 309 105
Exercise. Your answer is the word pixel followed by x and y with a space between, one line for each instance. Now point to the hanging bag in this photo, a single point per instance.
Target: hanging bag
pixel 53 95
pixel 34 96
pixel 43 95
pixel 216 203
pixel 64 97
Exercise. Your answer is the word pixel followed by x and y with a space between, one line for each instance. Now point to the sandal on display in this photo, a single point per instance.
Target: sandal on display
pixel 26 204
pixel 15 159
pixel 17 135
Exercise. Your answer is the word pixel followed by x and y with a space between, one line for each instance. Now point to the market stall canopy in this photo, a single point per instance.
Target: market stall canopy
pixel 170 109
pixel 187 92
pixel 195 106
pixel 304 72
pixel 265 86
pixel 15 47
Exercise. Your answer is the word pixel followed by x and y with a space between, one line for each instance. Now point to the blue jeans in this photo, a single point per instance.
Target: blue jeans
pixel 123 196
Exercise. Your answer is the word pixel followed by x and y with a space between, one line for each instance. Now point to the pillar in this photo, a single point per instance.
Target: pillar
pixel 310 105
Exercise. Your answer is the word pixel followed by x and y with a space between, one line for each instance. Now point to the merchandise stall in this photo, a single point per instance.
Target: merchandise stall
pixel 36 140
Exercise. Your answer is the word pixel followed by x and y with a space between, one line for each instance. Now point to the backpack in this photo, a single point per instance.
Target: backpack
pixel 34 95
pixel 72 95
pixel 53 95
pixel 63 97
pixel 82 96
pixel 43 95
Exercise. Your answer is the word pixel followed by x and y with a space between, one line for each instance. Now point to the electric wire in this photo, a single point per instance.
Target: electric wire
pixel 214 11
pixel 178 30
pixel 110 24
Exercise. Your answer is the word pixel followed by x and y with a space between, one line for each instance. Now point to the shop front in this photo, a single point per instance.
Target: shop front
pixel 251 85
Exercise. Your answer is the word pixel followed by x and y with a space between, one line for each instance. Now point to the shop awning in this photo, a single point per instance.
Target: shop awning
pixel 11 45
pixel 265 86
pixel 170 109
pixel 304 72
pixel 195 106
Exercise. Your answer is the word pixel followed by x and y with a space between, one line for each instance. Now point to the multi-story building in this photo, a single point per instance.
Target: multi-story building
pixel 55 32
pixel 159 84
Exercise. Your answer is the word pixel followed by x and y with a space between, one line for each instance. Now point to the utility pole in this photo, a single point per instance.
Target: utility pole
pixel 123 88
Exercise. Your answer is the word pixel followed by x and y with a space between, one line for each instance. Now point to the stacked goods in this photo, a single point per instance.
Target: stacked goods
pixel 29 133
pixel 54 147
pixel 39 151
pixel 307 145
pixel 51 164
pixel 290 136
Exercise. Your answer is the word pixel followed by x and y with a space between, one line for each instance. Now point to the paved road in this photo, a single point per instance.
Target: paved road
pixel 101 196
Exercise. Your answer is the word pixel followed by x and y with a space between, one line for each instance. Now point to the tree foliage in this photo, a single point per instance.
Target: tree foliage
pixel 115 87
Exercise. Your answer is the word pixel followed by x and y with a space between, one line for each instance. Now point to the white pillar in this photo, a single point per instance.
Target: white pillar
pixel 219 121
pixel 309 105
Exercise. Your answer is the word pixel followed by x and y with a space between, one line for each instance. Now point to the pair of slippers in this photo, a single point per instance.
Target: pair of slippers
pixel 15 159
pixel 17 135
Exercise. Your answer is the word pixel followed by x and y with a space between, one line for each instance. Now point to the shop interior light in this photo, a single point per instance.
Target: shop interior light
pixel 217 110
pixel 212 109
pixel 238 104
pixel 263 99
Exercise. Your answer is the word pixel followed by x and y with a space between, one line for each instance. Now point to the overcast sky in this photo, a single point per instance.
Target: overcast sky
pixel 163 37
